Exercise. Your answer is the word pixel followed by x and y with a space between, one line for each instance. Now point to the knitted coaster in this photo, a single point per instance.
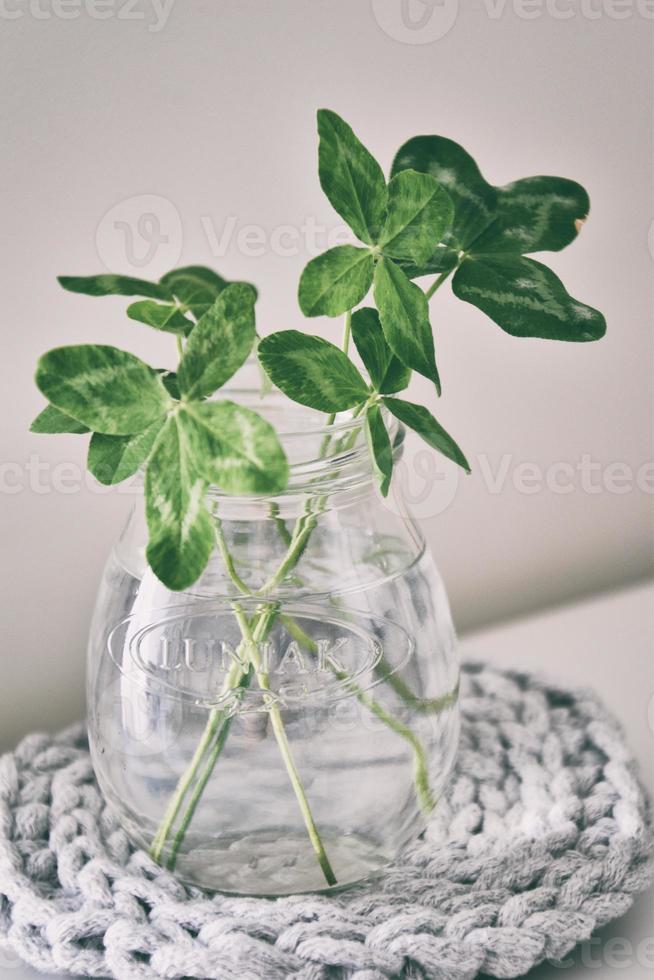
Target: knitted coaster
pixel 542 838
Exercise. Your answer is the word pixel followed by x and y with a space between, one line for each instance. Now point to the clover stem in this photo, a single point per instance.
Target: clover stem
pixel 263 624
pixel 198 790
pixel 253 632
pixel 347 332
pixel 284 747
pixel 345 346
pixel 421 771
pixel 180 346
pixel 227 557
pixel 438 283
pixel 217 727
pixel 216 717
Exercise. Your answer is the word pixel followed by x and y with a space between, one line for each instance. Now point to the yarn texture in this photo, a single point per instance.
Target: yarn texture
pixel 542 837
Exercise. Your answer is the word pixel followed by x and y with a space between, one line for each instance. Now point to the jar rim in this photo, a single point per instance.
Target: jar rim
pixel 346 467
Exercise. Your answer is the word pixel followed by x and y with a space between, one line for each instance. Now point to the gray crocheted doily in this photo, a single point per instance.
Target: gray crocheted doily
pixel 543 837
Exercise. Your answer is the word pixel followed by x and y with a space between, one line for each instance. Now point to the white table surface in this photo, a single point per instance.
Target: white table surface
pixel 606 642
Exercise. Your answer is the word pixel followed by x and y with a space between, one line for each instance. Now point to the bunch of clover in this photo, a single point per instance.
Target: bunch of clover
pixel 436 216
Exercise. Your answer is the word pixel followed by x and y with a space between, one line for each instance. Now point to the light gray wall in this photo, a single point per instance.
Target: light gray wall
pixel 206 120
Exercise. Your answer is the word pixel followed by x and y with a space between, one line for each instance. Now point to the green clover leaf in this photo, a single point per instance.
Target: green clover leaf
pixel 220 343
pixel 387 373
pixel 311 371
pixel 106 389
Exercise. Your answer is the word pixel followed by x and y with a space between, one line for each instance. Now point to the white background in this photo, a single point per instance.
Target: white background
pixel 214 114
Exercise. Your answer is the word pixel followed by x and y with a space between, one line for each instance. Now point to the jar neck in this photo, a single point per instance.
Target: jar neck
pixel 331 510
pixel 329 464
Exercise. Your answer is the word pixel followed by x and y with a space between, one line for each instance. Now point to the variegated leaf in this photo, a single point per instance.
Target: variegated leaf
pixel 420 419
pixel 235 448
pixel 220 342
pixel 387 373
pixel 107 389
pixel 525 299
pixel 162 316
pixel 196 286
pixel 51 421
pixel 381 451
pixel 420 212
pixel 312 371
pixel 110 285
pixel 529 215
pixel 351 177
pixel 534 215
pixel 336 281
pixel 474 198
pixel 443 259
pixel 112 459
pixel 404 314
pixel 170 382
pixel 181 530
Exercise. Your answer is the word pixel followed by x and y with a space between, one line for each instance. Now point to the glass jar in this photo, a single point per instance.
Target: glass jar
pixel 288 722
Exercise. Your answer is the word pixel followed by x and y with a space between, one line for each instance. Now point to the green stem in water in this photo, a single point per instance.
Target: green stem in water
pixel 299 540
pixel 421 770
pixel 198 790
pixel 217 728
pixel 284 748
pixel 213 730
pixel 214 722
pixel 280 524
pixel 227 558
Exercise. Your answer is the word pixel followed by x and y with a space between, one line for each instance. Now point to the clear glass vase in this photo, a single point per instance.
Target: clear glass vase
pixel 287 723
